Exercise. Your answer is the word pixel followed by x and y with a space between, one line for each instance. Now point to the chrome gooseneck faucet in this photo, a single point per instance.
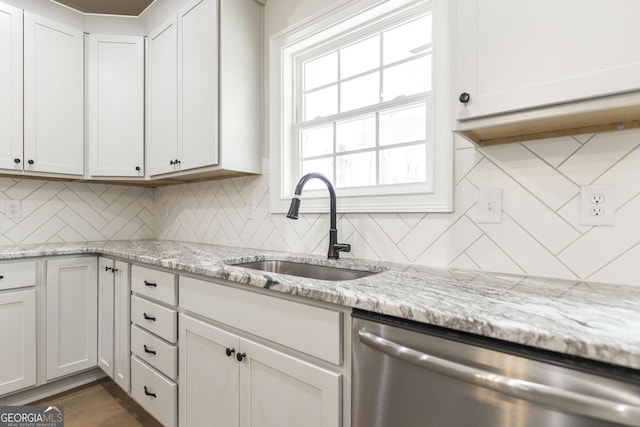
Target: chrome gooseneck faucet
pixel 334 247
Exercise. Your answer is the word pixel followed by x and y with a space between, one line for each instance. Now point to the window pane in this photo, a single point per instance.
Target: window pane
pixel 399 42
pixel 317 141
pixel 323 166
pixel 360 57
pixel 406 124
pixel 403 165
pixel 321 71
pixel 408 78
pixel 356 134
pixel 320 103
pixel 360 92
pixel 356 170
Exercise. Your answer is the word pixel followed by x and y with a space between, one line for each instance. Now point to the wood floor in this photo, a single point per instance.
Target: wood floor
pixel 99 404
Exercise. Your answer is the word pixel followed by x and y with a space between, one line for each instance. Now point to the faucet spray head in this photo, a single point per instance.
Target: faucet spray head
pixel 294 208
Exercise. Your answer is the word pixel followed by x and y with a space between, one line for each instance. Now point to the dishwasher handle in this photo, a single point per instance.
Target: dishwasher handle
pixel 553 397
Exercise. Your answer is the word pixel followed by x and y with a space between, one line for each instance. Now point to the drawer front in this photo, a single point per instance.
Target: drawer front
pixel 155 318
pixel 310 329
pixel 155 393
pixel 17 274
pixel 155 284
pixel 154 351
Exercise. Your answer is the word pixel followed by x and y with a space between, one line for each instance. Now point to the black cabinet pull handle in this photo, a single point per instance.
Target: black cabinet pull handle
pixel 178 162
pixel 107 269
pixel 171 162
pixel 148 393
pixel 30 162
pixel 146 350
pixel 147 317
pixel 16 161
pixel 229 351
pixel 150 284
pixel 464 97
pixel 241 356
pixel 115 270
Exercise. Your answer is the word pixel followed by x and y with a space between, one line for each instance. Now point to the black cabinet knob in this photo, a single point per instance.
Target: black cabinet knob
pixel 1 277
pixel 107 269
pixel 464 97
pixel 138 168
pixel 16 161
pixel 30 161
pixel 229 351
pixel 240 356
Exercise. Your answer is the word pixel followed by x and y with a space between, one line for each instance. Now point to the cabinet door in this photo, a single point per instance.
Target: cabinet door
pixel 162 98
pixel 514 55
pixel 72 297
pixel 18 338
pixel 105 315
pixel 53 97
pixel 115 105
pixel 198 77
pixel 122 326
pixel 208 377
pixel 10 87
pixel 280 390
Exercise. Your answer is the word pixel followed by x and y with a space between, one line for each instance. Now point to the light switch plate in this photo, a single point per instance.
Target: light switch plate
pixel 489 206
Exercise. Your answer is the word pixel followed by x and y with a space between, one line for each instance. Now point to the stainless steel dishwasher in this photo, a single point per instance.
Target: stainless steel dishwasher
pixel 407 374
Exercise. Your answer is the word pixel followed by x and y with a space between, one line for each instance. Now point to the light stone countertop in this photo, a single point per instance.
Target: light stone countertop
pixel 591 320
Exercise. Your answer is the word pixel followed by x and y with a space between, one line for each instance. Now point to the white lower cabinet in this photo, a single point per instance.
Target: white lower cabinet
pixel 114 296
pixel 18 338
pixel 154 335
pixel 226 378
pixel 71 314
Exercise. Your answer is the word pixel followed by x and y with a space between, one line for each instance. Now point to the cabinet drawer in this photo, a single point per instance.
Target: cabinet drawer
pixel 155 393
pixel 155 284
pixel 310 329
pixel 17 274
pixel 154 351
pixel 154 318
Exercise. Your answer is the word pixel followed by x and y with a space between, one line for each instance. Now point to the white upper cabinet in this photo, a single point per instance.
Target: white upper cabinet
pixel 53 97
pixel 515 55
pixel 198 77
pixel 183 90
pixel 115 105
pixel 162 98
pixel 204 89
pixel 10 87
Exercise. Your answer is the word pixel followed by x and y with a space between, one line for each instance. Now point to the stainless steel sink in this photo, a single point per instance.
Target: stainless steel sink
pixel 312 271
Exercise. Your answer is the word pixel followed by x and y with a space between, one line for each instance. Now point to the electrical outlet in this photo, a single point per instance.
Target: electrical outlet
pixel 12 209
pixel 597 206
pixel 489 206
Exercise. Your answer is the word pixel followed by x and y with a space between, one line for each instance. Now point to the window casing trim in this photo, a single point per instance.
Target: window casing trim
pixel 284 51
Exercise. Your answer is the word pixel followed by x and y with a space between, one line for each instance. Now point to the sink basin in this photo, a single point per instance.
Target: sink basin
pixel 312 271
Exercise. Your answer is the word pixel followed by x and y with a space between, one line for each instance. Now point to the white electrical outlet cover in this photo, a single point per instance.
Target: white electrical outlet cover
pixel 489 206
pixel 597 205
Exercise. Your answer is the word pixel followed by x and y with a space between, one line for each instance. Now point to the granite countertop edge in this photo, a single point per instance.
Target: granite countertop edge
pixel 585 319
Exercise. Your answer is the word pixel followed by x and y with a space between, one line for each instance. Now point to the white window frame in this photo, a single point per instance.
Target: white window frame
pixel 286 46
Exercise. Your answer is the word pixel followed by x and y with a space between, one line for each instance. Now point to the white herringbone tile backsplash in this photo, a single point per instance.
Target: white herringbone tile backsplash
pixel 55 211
pixel 540 233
